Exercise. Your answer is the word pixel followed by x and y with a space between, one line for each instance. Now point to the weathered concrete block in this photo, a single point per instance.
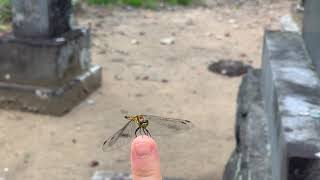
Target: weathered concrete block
pixel 51 62
pixel 41 18
pixel 291 92
pixel 311 30
pixel 251 159
pixel 50 100
pixel 104 175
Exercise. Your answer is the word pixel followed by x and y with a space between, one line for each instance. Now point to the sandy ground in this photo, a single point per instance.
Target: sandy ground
pixel 145 78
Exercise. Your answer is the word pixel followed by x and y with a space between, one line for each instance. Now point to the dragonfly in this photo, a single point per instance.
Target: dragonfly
pixel 147 125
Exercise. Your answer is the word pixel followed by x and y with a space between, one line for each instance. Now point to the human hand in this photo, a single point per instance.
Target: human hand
pixel 145 160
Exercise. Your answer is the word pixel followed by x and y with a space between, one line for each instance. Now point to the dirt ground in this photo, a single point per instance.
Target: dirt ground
pixel 142 76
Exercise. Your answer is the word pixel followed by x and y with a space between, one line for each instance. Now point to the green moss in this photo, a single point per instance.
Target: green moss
pixel 5 11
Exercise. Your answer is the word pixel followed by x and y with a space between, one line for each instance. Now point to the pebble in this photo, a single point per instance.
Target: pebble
pixel 117 77
pixel 7 76
pixel 167 41
pixel 135 42
pixel 189 22
pixel 232 21
pixel 145 78
pixel 235 26
pixel 219 37
pixel 90 101
pixel 227 35
pixel 94 163
pixel 164 81
pixel 209 34
pixel 142 33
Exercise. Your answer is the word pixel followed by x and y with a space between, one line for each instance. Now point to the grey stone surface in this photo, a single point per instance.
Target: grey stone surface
pixel 311 30
pixel 45 66
pixel 41 18
pixel 50 62
pixel 291 92
pixel 54 101
pixel 109 175
pixel 251 158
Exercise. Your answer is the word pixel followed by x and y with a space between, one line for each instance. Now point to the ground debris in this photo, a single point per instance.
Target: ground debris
pixel 229 68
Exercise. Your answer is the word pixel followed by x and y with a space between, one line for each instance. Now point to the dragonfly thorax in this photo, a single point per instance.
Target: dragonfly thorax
pixel 143 124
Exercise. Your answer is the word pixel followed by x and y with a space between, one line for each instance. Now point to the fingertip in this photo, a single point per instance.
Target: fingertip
pixel 145 161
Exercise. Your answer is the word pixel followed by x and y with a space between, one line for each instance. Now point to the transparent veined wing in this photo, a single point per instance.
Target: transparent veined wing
pixel 120 138
pixel 161 126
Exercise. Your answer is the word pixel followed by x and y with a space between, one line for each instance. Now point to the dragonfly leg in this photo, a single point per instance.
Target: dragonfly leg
pixel 135 133
pixel 145 131
pixel 140 131
pixel 148 133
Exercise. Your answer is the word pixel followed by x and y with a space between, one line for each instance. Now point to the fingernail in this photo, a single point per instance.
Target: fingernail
pixel 143 149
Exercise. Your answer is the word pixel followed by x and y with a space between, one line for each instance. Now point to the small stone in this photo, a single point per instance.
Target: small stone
pixel 90 101
pixel 5 169
pixel 288 24
pixel 209 34
pixel 123 111
pixel 117 77
pixel 232 21
pixel 43 94
pixel 135 42
pixel 74 141
pixel 227 35
pixel 94 163
pixel 60 39
pixel 243 55
pixel 129 8
pixel 102 51
pixel 235 26
pixel 167 41
pixel 165 81
pixel 318 155
pixel 142 33
pixel 219 37
pixel 7 76
pixel 121 33
pixel 145 78
pixel 189 22
pixel 117 60
pixel 230 68
pixel 139 95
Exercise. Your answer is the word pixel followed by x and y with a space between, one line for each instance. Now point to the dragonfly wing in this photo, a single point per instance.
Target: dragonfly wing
pixel 160 126
pixel 120 138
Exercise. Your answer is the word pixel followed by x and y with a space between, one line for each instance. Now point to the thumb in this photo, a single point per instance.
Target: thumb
pixel 145 161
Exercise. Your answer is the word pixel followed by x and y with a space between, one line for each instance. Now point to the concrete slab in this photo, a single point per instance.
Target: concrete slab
pixel 291 91
pixel 251 158
pixel 109 175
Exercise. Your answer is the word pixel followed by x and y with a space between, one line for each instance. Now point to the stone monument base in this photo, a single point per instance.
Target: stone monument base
pixel 47 76
pixel 53 101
